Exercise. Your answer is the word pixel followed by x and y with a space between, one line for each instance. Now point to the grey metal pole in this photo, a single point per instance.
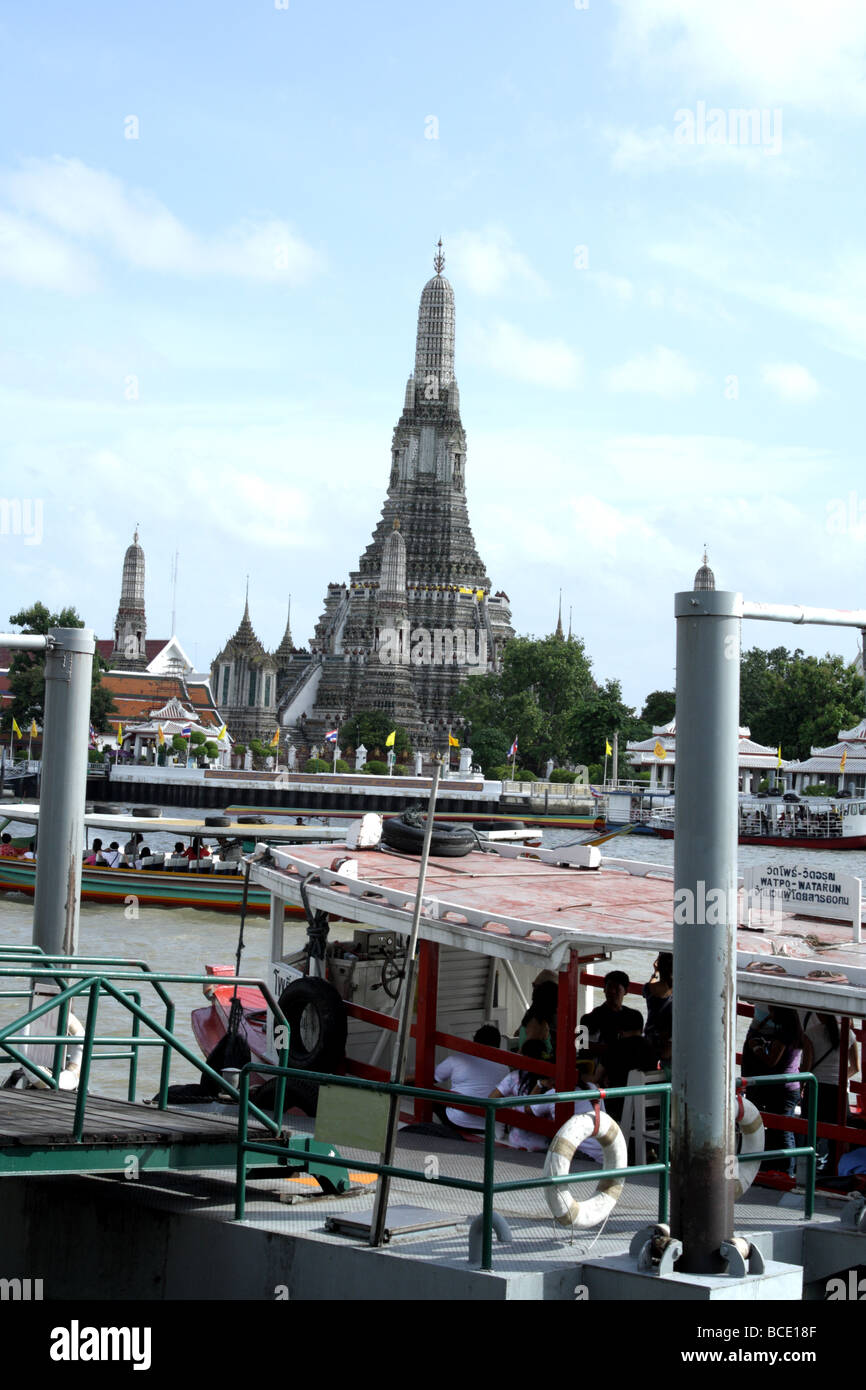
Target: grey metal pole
pixel 398 1068
pixel 68 674
pixel 705 914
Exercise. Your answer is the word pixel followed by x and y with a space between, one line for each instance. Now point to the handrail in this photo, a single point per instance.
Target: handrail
pixel 104 983
pixel 491 1106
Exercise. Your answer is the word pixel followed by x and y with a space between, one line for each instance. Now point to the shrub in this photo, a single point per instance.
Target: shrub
pixel 376 768
pixel 559 774
pixel 594 772
pixel 316 765
pixel 502 773
pixel 524 775
pixel 401 770
pixel 341 765
pixel 819 789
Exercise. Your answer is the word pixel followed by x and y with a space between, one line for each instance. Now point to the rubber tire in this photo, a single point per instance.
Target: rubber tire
pixel 447 841
pixel 330 1050
pixel 147 812
pixel 252 820
pixel 483 825
pixel 301 1094
pixel 106 808
pixel 217 820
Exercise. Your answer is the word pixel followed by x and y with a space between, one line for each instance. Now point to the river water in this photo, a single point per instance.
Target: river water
pixel 183 940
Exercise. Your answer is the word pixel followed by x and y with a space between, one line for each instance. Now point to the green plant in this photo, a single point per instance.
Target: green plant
pixel 594 772
pixel 211 749
pixel 316 765
pixel 820 789
pixel 560 774
pixel 524 775
pixel 178 743
pixel 376 768
pixel 197 737
pixel 341 765
pixel 401 770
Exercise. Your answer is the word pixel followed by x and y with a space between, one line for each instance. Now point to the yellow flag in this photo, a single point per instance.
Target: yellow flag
pixel 479 594
pixel 34 732
pixel 161 735
pixel 389 741
pixel 15 729
pixel 222 733
pixel 659 751
pixel 608 751
pixel 275 741
pixel 844 761
pixel 120 735
pixel 453 742
pixel 779 756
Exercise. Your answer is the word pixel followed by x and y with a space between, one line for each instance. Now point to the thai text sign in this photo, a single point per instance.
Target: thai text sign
pixel 809 889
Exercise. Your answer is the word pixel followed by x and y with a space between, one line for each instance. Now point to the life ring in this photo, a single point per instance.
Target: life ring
pixel 316 1015
pixel 69 1077
pixel 828 977
pixel 448 840
pixel 751 1127
pixel 566 1209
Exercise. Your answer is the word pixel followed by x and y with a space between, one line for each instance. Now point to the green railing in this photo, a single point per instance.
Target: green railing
pixel 101 978
pixel 487 1185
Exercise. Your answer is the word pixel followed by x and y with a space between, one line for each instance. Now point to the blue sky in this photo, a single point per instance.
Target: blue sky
pixel 207 329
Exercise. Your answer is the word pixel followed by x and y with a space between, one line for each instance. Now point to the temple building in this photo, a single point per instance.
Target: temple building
pixel 658 755
pixel 417 616
pixel 130 626
pixel 244 678
pixel 841 766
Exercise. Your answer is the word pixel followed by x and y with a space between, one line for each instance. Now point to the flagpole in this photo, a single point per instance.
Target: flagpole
pixel 604 778
pixel 334 769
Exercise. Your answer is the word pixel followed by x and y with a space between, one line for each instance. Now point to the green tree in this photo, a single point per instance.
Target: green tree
pixel 798 701
pixel 27 672
pixel 659 708
pixel 371 727
pixel 601 715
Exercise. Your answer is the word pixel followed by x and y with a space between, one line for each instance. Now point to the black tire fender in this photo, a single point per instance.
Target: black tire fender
pixel 450 841
pixel 327 1051
pixel 217 820
pixel 147 812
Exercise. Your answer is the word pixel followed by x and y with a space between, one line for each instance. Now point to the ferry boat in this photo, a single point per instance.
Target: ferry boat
pixel 790 821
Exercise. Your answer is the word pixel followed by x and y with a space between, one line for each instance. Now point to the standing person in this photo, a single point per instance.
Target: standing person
pixel 773 1044
pixel 470 1076
pixel 659 995
pixel 539 1021
pixel 821 1057
pixel 614 1037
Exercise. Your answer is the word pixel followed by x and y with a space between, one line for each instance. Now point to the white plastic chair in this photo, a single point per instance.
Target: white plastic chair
pixel 634 1123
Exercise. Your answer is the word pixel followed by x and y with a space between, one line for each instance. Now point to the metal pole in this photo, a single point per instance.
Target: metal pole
pixel 68 675
pixel 401 1052
pixel 616 759
pixel 705 914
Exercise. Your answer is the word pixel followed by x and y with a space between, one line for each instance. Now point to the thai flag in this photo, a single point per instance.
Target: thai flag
pixel 331 736
pixel 92 737
pixel 513 749
pixel 186 730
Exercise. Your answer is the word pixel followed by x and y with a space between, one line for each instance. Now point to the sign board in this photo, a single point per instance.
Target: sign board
pixel 352 1119
pixel 812 890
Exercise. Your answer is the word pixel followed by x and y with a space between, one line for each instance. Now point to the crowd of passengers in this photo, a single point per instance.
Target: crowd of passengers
pixel 619 1040
pixel 135 854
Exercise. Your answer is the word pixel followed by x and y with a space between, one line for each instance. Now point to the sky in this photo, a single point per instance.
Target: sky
pixel 215 223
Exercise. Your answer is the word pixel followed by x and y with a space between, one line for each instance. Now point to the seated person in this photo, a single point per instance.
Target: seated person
pixel 178 852
pixel 197 850
pixel 470 1076
pixel 130 849
pixel 8 850
pixel 611 1021
pixel 112 856
pixel 95 854
pixel 230 851
pixel 144 854
pixel 530 1084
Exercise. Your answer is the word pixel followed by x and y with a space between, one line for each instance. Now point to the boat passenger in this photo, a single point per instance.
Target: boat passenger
pixel 539 1021
pixel 144 854
pixel 130 849
pixel 821 1056
pixel 527 1083
pixel 95 855
pixel 112 856
pixel 8 850
pixel 230 851
pixel 197 850
pixel 774 1044
pixel 469 1076
pixel 659 995
pixel 610 1021
pixel 179 848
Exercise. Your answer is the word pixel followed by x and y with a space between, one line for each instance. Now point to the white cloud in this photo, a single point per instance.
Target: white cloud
pixel 790 381
pixel 487 263
pixel 795 51
pixel 616 286
pixel 507 349
pixel 659 372
pixel 37 258
pixel 657 149
pixel 137 228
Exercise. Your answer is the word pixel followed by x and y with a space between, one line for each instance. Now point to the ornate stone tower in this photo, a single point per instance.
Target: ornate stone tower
pixel 130 625
pixel 244 683
pixel 421 575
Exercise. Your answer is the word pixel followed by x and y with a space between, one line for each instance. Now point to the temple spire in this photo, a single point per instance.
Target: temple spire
pixel 559 632
pixel 704 579
pixel 434 346
pixel 439 259
pixel 130 626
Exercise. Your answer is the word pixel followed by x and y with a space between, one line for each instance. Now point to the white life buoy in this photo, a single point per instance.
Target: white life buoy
pixel 566 1209
pixel 68 1078
pixel 751 1127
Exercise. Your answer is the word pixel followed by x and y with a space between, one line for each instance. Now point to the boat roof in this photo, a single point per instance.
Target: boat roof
pixel 188 825
pixel 538 905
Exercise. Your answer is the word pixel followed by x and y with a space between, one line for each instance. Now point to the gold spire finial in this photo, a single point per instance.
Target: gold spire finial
pixel 439 259
pixel 396 523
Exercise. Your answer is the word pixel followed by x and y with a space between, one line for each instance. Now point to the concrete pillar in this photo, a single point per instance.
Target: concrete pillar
pixel 68 675
pixel 705 912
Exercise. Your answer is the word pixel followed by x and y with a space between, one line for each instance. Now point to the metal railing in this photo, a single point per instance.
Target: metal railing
pixel 487 1185
pixel 101 978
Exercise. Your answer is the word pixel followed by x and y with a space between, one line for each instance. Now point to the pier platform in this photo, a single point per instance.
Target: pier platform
pixel 172 1235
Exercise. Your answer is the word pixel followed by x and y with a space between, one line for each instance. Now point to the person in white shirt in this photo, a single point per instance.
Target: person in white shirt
pixel 470 1076
pixel 518 1083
